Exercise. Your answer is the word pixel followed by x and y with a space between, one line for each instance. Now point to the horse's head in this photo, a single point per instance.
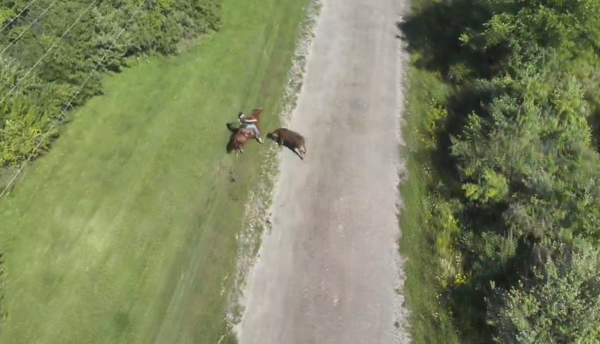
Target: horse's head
pixel 256 115
pixel 257 112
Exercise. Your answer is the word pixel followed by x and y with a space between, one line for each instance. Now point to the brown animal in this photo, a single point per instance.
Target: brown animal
pixel 240 136
pixel 290 139
pixel 240 139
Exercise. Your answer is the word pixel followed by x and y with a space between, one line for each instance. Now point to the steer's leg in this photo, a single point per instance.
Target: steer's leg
pixel 298 152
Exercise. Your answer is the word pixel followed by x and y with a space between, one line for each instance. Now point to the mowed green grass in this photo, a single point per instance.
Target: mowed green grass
pixel 126 231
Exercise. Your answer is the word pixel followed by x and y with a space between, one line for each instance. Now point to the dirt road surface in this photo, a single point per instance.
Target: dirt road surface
pixel 329 270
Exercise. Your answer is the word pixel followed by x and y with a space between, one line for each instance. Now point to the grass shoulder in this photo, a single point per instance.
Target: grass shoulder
pixel 420 242
pixel 426 219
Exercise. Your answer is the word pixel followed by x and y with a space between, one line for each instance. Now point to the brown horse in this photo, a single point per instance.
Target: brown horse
pixel 241 135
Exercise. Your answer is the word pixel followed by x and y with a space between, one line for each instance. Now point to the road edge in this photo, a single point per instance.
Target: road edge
pixel 402 312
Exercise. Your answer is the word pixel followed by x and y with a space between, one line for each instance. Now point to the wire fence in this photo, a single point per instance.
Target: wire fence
pixel 80 88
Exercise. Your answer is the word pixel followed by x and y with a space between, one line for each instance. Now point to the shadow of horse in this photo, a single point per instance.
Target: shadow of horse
pixel 286 144
pixel 234 131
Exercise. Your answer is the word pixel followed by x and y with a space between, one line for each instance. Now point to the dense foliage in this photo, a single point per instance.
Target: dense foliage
pixel 514 203
pixel 75 41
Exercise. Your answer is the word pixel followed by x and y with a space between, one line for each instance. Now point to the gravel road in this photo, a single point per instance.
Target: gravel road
pixel 329 270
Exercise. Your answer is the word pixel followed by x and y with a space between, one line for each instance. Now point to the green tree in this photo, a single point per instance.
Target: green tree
pixel 65 78
pixel 559 304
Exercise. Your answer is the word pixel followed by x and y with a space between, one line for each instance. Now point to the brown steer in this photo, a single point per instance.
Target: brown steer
pixel 290 139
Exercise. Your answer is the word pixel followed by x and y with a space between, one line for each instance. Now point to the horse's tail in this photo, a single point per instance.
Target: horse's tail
pixel 231 128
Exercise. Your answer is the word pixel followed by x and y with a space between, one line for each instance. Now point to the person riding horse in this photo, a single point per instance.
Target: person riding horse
pixel 247 123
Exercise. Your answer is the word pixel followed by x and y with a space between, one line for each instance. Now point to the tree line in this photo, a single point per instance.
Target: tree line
pixel 53 56
pixel 513 197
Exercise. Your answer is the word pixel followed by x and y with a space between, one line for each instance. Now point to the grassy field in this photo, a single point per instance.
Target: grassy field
pixel 126 231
